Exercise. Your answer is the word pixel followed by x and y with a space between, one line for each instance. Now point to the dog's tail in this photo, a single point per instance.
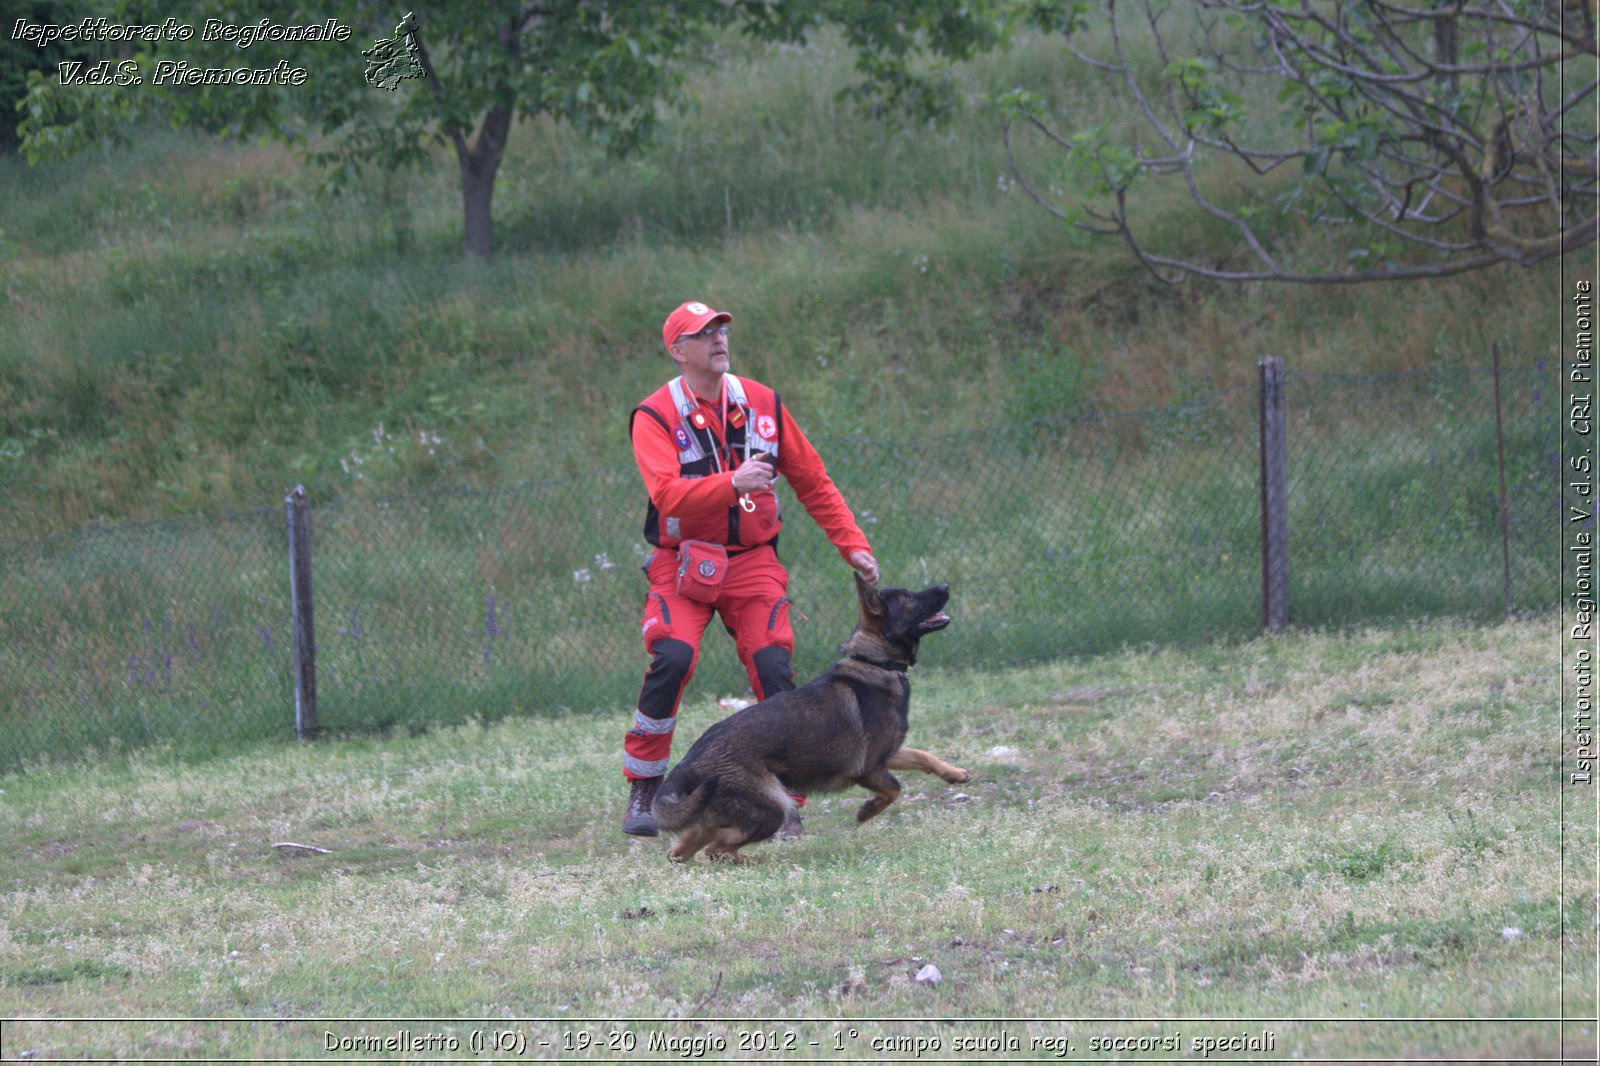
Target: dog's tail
pixel 680 801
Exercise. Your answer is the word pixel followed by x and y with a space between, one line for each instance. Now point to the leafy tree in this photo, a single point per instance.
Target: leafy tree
pixel 18 57
pixel 1430 137
pixel 606 66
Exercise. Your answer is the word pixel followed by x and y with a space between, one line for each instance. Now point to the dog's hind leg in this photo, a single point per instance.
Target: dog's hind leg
pixel 758 821
pixel 884 788
pixel 691 841
pixel 729 852
pixel 928 763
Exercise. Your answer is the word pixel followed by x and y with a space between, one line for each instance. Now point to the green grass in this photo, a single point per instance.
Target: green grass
pixel 1320 826
pixel 1338 829
pixel 435 609
pixel 195 327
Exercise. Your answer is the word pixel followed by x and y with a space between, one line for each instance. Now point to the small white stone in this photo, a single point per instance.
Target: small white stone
pixel 929 975
pixel 1511 932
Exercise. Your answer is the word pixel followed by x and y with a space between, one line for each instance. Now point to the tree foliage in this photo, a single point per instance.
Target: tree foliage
pixel 605 66
pixel 1429 137
pixel 19 58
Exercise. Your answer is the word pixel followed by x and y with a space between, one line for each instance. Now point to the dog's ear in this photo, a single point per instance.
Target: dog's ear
pixel 871 603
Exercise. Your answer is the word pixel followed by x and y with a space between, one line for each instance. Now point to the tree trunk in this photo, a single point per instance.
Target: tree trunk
pixel 480 162
pixel 477 196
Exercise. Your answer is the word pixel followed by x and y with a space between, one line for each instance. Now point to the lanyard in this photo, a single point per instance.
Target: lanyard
pixel 719 446
pixel 728 424
pixel 746 504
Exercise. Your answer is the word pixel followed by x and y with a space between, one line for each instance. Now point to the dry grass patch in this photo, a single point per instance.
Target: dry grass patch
pixel 1355 827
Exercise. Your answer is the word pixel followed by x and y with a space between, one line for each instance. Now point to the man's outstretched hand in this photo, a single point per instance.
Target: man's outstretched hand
pixel 866 565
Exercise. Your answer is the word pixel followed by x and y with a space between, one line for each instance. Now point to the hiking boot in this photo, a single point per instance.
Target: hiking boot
pixel 638 821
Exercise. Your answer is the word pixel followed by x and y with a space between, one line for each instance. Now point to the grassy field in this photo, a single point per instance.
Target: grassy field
pixel 449 606
pixel 1361 832
pixel 1349 842
pixel 194 327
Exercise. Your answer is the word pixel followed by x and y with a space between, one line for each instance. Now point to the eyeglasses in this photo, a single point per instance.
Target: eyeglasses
pixel 716 329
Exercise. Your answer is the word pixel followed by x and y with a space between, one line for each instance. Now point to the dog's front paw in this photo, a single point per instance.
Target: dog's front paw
pixel 871 809
pixel 957 776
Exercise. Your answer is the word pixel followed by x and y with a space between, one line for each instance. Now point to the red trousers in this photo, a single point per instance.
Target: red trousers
pixel 753 606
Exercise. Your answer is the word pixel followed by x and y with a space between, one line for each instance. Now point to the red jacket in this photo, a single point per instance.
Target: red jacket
pixel 687 456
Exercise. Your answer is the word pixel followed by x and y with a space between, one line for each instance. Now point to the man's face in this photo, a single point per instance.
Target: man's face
pixel 705 352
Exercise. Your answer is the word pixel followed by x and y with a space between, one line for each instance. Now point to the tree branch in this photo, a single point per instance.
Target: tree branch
pixel 1470 162
pixel 451 128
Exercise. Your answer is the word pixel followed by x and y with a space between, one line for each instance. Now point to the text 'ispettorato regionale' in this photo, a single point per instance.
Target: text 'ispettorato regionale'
pixel 99 30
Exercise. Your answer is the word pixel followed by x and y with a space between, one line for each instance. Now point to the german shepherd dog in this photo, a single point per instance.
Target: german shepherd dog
pixel 844 728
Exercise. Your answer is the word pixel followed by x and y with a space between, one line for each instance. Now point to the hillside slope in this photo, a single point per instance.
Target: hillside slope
pixel 194 326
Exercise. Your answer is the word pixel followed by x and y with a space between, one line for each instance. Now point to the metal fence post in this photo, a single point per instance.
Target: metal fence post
pixel 305 641
pixel 1274 499
pixel 1505 505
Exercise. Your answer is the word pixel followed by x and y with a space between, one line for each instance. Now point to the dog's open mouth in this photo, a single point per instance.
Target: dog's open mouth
pixel 934 624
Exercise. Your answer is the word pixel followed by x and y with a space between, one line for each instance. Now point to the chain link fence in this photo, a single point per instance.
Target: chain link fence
pixel 1061 537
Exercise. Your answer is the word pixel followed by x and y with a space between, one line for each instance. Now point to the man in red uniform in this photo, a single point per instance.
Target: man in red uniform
pixel 709 446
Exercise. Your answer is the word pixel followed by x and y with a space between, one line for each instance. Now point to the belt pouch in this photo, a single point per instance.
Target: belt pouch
pixel 701 568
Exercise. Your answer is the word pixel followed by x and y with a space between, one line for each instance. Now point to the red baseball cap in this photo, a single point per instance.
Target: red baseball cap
pixel 691 317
